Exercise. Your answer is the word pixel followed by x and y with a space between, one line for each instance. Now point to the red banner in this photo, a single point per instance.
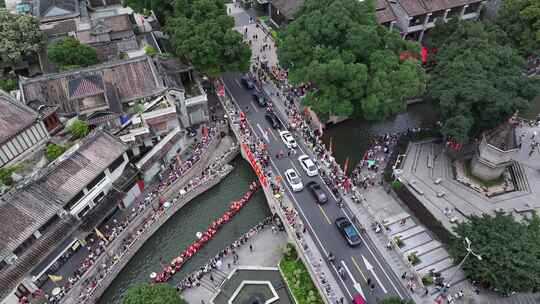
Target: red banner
pixel 254 165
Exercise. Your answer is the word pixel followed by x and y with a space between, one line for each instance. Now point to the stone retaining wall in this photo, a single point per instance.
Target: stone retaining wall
pixel 103 285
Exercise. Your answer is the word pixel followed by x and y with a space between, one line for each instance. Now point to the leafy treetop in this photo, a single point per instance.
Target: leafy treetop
pixel 521 20
pixel 477 82
pixel 69 52
pixel 79 128
pixel 509 251
pixel 19 36
pixel 152 294
pixel 351 61
pixel 201 31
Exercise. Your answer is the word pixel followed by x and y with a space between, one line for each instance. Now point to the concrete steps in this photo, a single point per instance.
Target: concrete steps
pixel 415 241
pixel 437 267
pixel 396 228
pixel 409 233
pixel 427 247
pixel 396 218
pixel 431 258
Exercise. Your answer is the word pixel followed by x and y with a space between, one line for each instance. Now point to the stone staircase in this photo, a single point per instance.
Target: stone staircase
pixel 57 232
pixel 416 239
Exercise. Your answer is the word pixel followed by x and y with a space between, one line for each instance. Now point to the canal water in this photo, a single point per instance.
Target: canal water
pixel 180 231
pixel 350 139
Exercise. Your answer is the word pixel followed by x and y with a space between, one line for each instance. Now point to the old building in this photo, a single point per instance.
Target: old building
pixel 104 87
pixel 21 130
pixel 110 36
pixel 415 17
pixel 63 202
pixel 46 10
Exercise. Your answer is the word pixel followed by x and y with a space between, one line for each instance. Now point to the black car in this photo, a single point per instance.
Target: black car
pixel 348 231
pixel 260 99
pixel 317 192
pixel 247 83
pixel 272 120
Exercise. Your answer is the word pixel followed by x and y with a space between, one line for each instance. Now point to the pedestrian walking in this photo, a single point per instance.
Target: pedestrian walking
pixel 211 278
pixel 250 247
pixel 372 288
pixel 404 275
pixel 368 281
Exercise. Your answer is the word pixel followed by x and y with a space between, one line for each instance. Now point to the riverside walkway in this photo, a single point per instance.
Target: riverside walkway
pixel 94 281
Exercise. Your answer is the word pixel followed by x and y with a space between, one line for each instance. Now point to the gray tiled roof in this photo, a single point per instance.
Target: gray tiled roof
pixel 133 78
pixel 419 7
pixel 28 208
pixel 383 12
pixel 14 116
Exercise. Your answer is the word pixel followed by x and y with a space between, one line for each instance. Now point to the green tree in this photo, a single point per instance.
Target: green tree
pixel 394 300
pixel 509 251
pixel 201 31
pixel 19 36
pixel 341 40
pixel 53 151
pixel 79 128
pixel 152 294
pixel 6 172
pixel 9 84
pixel 521 20
pixel 150 50
pixel 69 52
pixel 477 82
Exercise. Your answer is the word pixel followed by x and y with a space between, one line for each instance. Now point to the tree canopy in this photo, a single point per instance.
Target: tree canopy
pixel 521 20
pixel 152 294
pixel 69 52
pixel 477 82
pixel 19 36
pixel 201 31
pixel 79 128
pixel 509 251
pixel 352 62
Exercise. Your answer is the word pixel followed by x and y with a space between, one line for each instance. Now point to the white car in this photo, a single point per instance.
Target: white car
pixel 294 180
pixel 308 165
pixel 288 139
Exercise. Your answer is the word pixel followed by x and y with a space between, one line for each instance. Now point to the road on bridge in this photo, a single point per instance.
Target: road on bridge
pixel 359 263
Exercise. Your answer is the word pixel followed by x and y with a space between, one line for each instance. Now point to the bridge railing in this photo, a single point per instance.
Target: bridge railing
pixel 315 261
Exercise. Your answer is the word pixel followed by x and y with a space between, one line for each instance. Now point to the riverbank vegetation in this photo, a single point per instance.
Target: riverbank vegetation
pixel 509 250
pixel 352 62
pixel 478 80
pixel 152 294
pixel 298 278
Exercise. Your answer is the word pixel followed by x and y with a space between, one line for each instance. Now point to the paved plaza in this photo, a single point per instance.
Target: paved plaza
pixel 267 251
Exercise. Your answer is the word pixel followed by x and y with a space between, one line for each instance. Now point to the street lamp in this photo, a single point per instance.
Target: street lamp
pixel 469 251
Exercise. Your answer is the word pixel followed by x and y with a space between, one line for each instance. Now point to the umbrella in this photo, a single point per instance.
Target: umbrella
pixel 153 275
pixel 166 204
pixel 182 191
pixel 56 291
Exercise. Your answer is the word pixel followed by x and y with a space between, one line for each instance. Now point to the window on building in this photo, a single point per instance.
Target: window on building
pixel 96 180
pixel 84 211
pixel 435 16
pixel 116 163
pixel 472 8
pixel 74 200
pixel 417 20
